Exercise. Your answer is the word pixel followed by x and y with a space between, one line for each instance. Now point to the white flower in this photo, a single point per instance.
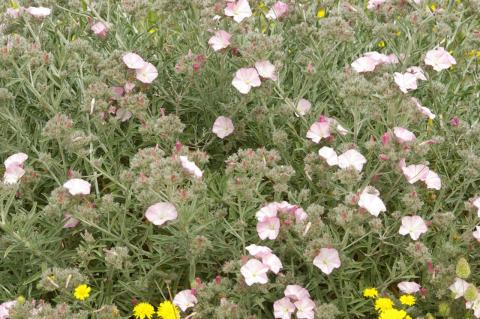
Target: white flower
pixel 371 201
pixel 327 260
pixel 185 299
pixel 159 213
pixel 254 271
pixel 77 186
pixel 190 167
pixel 413 226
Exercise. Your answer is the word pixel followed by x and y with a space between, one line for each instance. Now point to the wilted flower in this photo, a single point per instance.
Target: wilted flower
pixel 100 29
pixel 303 107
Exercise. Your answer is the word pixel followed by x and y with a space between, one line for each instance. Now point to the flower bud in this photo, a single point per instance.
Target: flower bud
pixel 471 293
pixel 463 268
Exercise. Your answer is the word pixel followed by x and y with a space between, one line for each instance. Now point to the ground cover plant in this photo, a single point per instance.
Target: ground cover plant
pixel 239 159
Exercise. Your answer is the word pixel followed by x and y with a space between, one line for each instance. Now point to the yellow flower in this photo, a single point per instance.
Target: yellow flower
pixel 82 292
pixel 399 33
pixel 383 304
pixel 433 6
pixel 408 317
pixel 381 44
pixel 143 310
pixel 321 13
pixel 167 310
pixel 408 300
pixel 370 293
pixel 393 314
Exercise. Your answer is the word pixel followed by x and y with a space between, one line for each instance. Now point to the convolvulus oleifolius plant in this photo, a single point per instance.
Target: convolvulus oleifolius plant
pixel 239 159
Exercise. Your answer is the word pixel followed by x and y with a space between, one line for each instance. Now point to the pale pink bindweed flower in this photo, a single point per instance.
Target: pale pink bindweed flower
pixel 239 10
pixel 370 60
pixel 258 251
pixel 459 287
pixel 70 221
pixel 5 308
pixel 16 159
pixel 422 109
pixel 296 292
pixel 409 287
pixel 374 4
pixel 371 201
pixel 100 29
pixel 327 260
pixel 318 131
pixel 220 40
pixel 147 74
pixel 268 228
pixel 77 186
pixel 439 59
pixel 351 159
pixel 12 174
pixel 254 271
pixel 406 81
pixel 305 309
pixel 190 167
pixel 433 181
pixel 413 226
pixel 245 79
pixel 283 308
pixel 185 299
pixel 303 107
pixel 223 127
pixel 415 173
pixel 476 204
pixel 272 262
pixel 133 61
pixel 160 213
pixel 39 12
pixel 417 72
pixel 266 70
pixel 329 155
pixel 476 233
pixel 403 135
pixel 278 10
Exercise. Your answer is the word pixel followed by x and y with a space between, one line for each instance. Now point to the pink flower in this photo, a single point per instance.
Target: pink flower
pixel 476 204
pixel 433 181
pixel 220 40
pixel 371 201
pixel 329 155
pixel 455 121
pixel 185 299
pixel 14 14
pixel 417 72
pixel 327 260
pixel 16 159
pixel 77 186
pixel 415 173
pixel 254 271
pixel 351 158
pixel 459 287
pixel 305 308
pixel 403 135
pixel 5 308
pixel 303 107
pixel 476 233
pixel 39 12
pixel 222 127
pixel 272 262
pixel 439 59
pixel 159 213
pixel 296 292
pixel 406 81
pixel 258 251
pixel 409 287
pixel 370 60
pixel 413 226
pixel 100 29
pixel 278 10
pixel 267 211
pixel 190 167
pixel 238 10
pixel 266 70
pixel 424 110
pixel 245 79
pixel 133 61
pixel 12 174
pixel 318 131
pixel 268 228
pixel 70 221
pixel 283 308
pixel 147 74
pixel 374 4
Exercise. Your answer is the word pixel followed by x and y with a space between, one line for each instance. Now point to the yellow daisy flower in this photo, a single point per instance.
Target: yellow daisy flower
pixel 143 310
pixel 82 292
pixel 167 310
pixel 393 314
pixel 383 304
pixel 321 13
pixel 408 300
pixel 370 293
